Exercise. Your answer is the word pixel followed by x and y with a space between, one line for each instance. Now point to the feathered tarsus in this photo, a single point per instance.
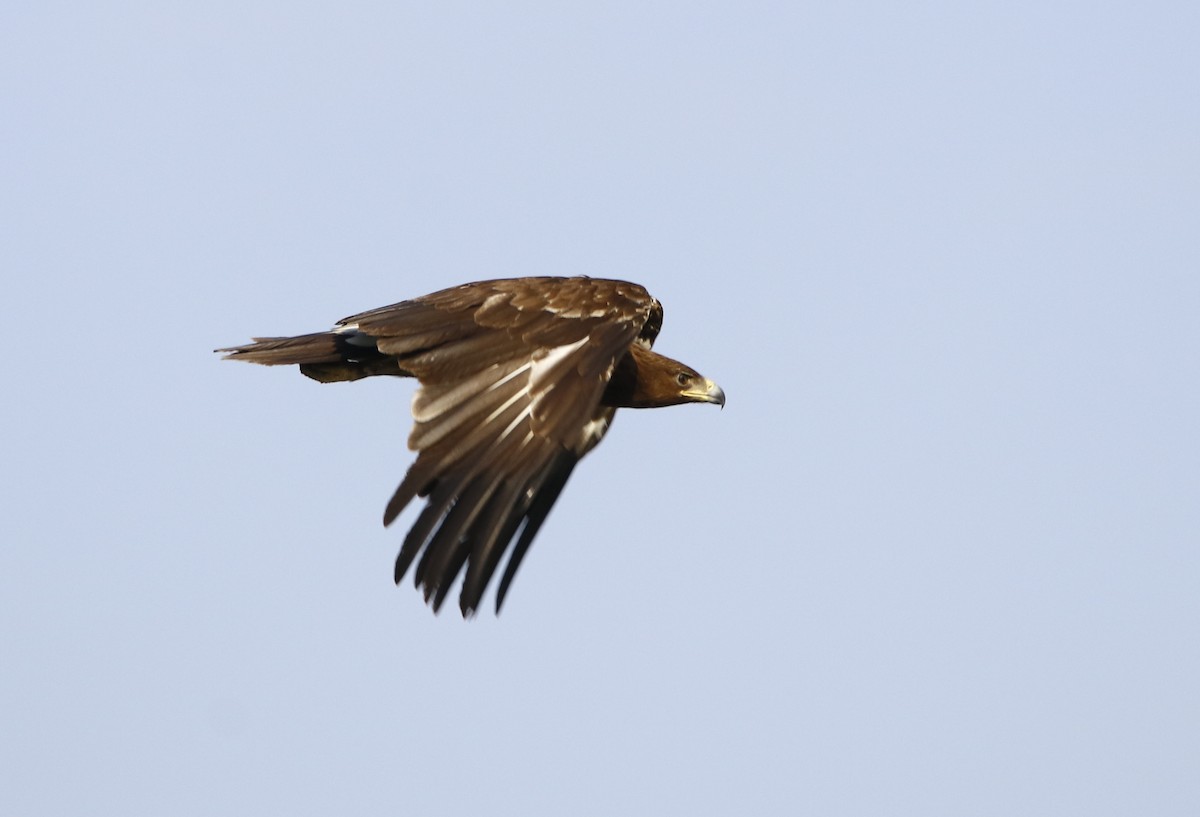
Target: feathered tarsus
pixel 519 379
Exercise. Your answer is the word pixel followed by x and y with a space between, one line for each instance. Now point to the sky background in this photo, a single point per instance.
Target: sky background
pixel 938 555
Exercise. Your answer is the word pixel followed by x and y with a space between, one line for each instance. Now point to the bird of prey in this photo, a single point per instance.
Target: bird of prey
pixel 519 379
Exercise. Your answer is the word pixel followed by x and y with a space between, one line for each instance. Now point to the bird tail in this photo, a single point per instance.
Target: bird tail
pixel 328 357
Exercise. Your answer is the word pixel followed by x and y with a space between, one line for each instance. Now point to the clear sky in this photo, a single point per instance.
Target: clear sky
pixel 939 555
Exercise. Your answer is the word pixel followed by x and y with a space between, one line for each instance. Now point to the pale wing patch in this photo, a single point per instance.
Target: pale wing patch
pixel 497 394
pixel 543 375
pixel 503 407
pixel 469 406
pixel 434 400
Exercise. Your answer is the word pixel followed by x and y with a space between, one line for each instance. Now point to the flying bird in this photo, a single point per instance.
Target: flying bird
pixel 519 379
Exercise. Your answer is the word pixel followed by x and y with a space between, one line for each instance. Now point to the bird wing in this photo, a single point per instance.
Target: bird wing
pixel 511 376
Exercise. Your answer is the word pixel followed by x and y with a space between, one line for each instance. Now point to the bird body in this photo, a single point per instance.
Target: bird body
pixel 519 379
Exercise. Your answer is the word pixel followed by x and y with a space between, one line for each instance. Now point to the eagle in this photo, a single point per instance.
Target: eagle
pixel 518 379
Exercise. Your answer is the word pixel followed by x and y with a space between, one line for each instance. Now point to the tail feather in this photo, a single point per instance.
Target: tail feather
pixel 319 347
pixel 328 357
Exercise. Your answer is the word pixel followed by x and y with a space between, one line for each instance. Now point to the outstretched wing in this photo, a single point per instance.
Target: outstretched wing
pixel 511 376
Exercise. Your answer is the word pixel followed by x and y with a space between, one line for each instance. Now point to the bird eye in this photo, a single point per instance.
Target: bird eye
pixel 683 378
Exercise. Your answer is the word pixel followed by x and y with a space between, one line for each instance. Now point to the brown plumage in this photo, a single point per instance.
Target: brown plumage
pixel 519 379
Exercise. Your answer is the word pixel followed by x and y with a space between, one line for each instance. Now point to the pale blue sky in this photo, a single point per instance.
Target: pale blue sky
pixel 938 556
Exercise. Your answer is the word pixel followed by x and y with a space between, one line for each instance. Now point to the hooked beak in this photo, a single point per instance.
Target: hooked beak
pixel 712 393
